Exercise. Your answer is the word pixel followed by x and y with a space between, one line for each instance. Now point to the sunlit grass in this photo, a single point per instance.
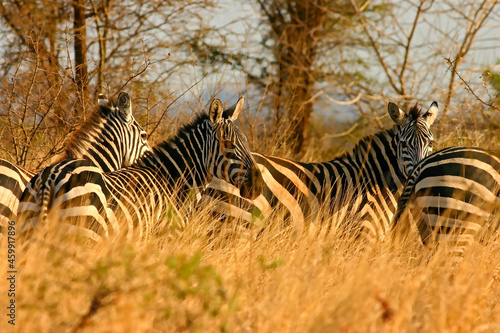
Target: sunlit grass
pixel 216 276
pixel 233 281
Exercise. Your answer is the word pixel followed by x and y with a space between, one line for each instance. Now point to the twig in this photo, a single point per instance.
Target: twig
pixel 375 46
pixel 475 22
pixel 36 126
pixel 408 47
pixel 175 100
pixel 469 89
pixel 337 135
pixel 24 151
pixel 146 62
pixel 11 113
pixel 321 92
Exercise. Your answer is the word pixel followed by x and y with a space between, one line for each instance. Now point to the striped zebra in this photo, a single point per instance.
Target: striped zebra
pixel 365 182
pixel 110 138
pixel 134 201
pixel 453 196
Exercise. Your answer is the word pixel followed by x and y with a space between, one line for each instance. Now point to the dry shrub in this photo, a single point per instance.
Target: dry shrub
pixel 278 281
pixel 215 276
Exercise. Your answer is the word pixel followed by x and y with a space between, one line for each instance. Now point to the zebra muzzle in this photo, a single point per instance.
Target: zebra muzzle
pixel 252 186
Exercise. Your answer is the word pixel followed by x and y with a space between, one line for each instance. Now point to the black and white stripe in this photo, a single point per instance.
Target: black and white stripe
pixel 135 200
pixel 416 138
pixel 110 137
pixel 362 185
pixel 453 196
pixel 13 180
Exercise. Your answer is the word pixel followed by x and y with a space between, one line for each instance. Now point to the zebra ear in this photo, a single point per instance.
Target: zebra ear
pixel 431 114
pixel 234 111
pixel 102 100
pixel 216 111
pixel 397 115
pixel 124 105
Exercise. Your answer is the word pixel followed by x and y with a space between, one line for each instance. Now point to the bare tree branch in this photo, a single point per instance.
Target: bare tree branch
pixel 475 22
pixel 175 100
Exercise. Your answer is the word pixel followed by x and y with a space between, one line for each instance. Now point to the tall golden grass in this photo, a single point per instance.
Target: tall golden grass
pixel 230 280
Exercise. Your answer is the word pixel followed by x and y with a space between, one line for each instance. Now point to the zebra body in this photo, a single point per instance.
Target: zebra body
pixel 13 180
pixel 364 183
pixel 110 138
pixel 133 200
pixel 80 191
pixel 452 195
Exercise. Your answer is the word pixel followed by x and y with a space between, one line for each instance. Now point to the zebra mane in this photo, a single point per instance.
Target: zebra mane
pixel 366 141
pixel 415 111
pixel 99 113
pixel 186 129
pixel 182 133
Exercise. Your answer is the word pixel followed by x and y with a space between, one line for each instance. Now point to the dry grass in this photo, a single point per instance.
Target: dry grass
pixel 279 282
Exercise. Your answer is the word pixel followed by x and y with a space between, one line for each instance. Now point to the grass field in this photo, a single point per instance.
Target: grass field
pixel 278 282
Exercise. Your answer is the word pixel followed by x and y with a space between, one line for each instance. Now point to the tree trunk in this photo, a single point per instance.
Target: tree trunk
pixel 295 55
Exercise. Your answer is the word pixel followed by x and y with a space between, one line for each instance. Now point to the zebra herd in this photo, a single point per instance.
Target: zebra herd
pixel 366 181
pixel 111 182
pixel 110 138
pixel 132 200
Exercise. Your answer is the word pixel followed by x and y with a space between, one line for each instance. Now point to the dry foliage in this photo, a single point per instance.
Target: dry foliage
pixel 200 280
pixel 214 277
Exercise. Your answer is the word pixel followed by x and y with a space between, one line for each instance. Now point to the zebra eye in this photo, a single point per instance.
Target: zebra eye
pixel 403 144
pixel 144 136
pixel 430 149
pixel 226 144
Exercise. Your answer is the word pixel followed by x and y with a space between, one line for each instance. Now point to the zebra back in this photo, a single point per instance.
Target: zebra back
pixel 453 196
pixel 13 180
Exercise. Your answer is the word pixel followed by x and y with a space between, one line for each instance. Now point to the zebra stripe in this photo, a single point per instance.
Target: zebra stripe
pixel 111 138
pixel 365 182
pixel 455 194
pixel 410 149
pixel 13 180
pixel 134 200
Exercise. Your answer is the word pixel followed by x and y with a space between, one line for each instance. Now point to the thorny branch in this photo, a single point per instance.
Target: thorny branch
pixel 175 100
pixel 475 22
pixel 469 89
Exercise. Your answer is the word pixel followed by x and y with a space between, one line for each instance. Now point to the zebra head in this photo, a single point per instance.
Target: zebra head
pixel 415 137
pixel 232 160
pixel 132 137
pixel 110 137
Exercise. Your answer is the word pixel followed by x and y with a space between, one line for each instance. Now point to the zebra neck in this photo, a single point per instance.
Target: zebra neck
pixel 376 157
pixel 176 167
pixel 90 143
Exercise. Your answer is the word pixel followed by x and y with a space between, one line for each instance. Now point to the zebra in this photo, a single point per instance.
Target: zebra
pixel 366 181
pixel 133 201
pixel 110 138
pixel 453 196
